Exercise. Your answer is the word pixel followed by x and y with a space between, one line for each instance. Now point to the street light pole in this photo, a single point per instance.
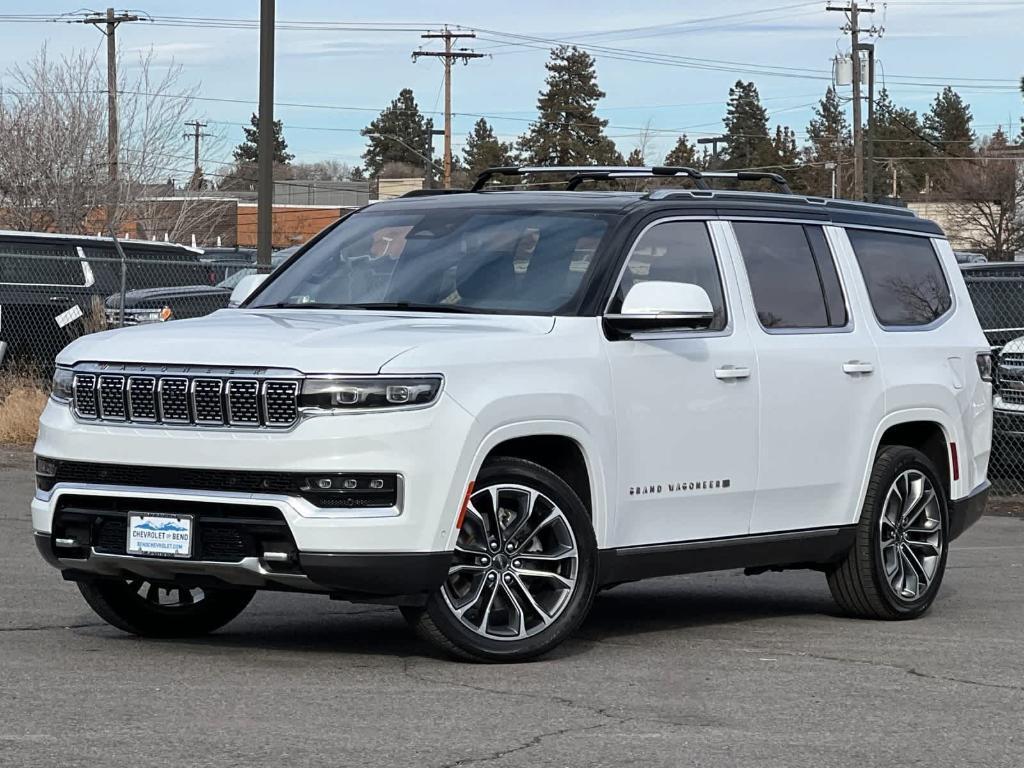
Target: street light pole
pixel 265 148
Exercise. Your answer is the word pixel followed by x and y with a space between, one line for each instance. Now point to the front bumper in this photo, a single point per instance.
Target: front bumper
pixel 392 576
pixel 965 512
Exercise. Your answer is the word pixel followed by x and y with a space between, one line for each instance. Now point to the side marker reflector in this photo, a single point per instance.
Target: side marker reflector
pixel 954 460
pixel 465 506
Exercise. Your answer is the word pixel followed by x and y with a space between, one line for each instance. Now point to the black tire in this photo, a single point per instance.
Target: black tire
pixel 859 583
pixel 438 623
pixel 122 604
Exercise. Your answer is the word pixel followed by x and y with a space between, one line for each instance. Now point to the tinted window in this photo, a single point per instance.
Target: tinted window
pixel 475 258
pixel 680 252
pixel 794 285
pixel 40 264
pixel 148 268
pixel 903 275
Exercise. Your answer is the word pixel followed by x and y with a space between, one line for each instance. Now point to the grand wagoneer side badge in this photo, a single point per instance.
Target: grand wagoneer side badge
pixel 693 485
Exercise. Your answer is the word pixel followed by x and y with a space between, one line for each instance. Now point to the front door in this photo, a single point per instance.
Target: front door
pixel 685 401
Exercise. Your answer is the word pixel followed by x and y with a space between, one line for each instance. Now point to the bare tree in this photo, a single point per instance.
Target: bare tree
pixel 989 211
pixel 322 170
pixel 53 172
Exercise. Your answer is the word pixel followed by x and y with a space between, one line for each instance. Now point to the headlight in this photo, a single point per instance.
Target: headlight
pixel 150 315
pixel 376 393
pixel 62 389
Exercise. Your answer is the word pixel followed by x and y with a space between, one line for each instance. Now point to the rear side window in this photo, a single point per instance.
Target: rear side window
pixel 904 278
pixel 31 264
pixel 792 275
pixel 680 252
pixel 149 268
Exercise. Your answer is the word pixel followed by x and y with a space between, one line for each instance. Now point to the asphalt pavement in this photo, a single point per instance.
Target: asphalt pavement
pixel 709 670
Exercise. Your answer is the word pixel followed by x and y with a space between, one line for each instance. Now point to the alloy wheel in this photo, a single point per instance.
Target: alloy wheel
pixel 516 563
pixel 910 535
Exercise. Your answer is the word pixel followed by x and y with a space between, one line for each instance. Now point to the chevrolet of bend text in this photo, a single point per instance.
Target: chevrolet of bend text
pixel 484 407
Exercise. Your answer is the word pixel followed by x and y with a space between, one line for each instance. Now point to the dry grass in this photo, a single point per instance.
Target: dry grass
pixel 23 394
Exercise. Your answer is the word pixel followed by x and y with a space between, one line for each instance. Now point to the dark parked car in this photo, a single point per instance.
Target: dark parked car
pixel 157 305
pixel 52 286
pixel 224 262
pixel 997 292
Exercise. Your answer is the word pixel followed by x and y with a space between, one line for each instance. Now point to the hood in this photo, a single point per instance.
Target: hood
pixel 158 297
pixel 307 340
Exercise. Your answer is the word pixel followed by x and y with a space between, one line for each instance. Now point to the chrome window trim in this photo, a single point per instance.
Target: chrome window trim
pixel 680 332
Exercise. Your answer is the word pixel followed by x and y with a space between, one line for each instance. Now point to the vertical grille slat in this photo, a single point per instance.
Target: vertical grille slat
pixel 180 397
pixel 207 401
pixel 112 398
pixel 84 385
pixel 142 398
pixel 280 402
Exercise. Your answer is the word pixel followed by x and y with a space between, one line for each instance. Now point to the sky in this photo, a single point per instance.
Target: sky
pixel 331 81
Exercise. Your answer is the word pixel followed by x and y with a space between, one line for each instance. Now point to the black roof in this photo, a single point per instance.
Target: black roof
pixel 711 202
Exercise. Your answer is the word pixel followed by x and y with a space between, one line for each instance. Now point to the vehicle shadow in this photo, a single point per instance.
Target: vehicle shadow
pixel 630 610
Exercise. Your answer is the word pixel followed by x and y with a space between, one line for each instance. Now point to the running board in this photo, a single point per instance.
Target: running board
pixel 805 548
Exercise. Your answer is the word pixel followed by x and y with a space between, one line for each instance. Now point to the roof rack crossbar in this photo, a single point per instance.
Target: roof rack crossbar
pixel 581 173
pixel 778 179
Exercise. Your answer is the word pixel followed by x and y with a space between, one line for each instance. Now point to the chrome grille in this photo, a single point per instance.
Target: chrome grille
pixel 152 395
pixel 142 398
pixel 1012 396
pixel 208 401
pixel 243 402
pixel 173 393
pixel 112 403
pixel 281 401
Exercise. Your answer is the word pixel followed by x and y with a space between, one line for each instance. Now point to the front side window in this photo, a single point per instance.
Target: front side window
pixel 679 252
pixel 905 281
pixel 476 260
pixel 792 276
pixel 31 264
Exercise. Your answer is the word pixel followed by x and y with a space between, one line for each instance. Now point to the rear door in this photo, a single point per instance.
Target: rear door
pixel 819 382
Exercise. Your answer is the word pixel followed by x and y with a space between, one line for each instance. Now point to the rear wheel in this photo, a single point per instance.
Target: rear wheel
pixel 154 610
pixel 523 573
pixel 895 567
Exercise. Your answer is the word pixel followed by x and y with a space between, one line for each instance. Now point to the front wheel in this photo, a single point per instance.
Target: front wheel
pixel 895 567
pixel 524 570
pixel 154 610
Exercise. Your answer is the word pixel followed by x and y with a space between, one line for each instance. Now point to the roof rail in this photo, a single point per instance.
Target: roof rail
pixel 778 179
pixel 581 173
pixel 432 192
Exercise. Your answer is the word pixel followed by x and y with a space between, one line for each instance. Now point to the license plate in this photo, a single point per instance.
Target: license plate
pixel 159 535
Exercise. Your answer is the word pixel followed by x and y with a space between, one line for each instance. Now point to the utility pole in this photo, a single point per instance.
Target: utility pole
pixel 853 11
pixel 448 55
pixel 195 135
pixel 107 23
pixel 265 146
pixel 714 141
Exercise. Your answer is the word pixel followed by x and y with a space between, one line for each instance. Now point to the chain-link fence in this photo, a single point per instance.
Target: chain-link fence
pixel 997 291
pixel 54 289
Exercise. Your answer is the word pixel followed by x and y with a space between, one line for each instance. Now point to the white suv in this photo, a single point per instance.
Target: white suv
pixel 485 407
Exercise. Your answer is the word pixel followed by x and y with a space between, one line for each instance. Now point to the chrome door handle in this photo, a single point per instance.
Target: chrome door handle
pixel 853 367
pixel 727 372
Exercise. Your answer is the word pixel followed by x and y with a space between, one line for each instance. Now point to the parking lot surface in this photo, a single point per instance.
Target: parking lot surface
pixel 710 670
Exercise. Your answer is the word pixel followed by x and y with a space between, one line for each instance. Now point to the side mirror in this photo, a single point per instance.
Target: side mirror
pixel 657 305
pixel 245 288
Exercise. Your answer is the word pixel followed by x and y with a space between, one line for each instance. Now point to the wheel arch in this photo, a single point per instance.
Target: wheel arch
pixel 930 431
pixel 563 447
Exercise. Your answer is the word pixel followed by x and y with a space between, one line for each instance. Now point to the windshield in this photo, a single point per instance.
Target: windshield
pixel 450 260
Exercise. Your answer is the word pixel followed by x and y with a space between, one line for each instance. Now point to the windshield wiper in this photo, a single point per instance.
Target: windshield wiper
pixel 407 306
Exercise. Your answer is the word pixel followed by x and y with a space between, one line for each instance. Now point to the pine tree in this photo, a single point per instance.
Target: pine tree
pixel 684 154
pixel 830 141
pixel 746 127
pixel 636 158
pixel 398 135
pixel 357 174
pixel 483 150
pixel 948 123
pixel 898 134
pixel 567 130
pixel 249 150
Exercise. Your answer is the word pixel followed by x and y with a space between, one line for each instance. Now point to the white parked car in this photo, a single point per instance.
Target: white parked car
pixel 484 407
